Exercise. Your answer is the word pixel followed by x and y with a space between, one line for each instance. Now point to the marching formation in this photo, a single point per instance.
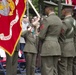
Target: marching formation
pixel 54 39
pixel 49 38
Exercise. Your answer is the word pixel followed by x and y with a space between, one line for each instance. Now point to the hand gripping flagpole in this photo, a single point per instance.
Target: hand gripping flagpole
pixel 34 8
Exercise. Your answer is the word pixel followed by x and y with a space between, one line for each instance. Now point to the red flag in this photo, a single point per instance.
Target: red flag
pixel 74 2
pixel 11 12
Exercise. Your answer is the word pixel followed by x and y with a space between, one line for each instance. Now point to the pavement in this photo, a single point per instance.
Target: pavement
pixel 19 73
pixel 35 74
pixel 24 73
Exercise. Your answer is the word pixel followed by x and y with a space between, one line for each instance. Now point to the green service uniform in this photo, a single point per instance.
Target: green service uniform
pixel 67 47
pixel 30 51
pixel 11 62
pixel 74 60
pixel 50 52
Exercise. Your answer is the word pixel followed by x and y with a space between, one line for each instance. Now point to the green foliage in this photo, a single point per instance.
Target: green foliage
pixel 35 3
pixel 56 10
pixel 63 0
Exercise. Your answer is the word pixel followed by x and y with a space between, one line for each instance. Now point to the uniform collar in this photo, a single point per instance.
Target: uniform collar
pixel 51 13
pixel 68 16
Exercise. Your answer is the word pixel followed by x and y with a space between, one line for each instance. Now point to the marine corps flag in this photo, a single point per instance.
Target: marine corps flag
pixel 74 2
pixel 11 12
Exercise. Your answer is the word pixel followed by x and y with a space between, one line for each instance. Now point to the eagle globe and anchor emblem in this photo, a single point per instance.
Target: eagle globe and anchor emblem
pixel 7 8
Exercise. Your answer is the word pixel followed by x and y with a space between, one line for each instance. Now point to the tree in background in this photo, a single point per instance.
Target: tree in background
pixel 35 3
pixel 39 5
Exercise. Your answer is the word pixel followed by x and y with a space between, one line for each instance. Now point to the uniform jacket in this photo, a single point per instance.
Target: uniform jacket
pixel 30 42
pixel 50 30
pixel 75 34
pixel 67 46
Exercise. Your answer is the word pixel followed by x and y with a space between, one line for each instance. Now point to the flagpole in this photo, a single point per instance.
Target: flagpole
pixel 34 8
pixel 27 9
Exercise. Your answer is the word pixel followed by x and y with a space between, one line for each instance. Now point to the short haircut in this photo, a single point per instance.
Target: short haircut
pixel 68 10
pixel 51 8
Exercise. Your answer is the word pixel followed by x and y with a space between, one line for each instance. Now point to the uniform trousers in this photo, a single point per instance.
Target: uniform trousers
pixel 65 66
pixel 11 64
pixel 49 65
pixel 30 63
pixel 74 60
pixel 74 66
